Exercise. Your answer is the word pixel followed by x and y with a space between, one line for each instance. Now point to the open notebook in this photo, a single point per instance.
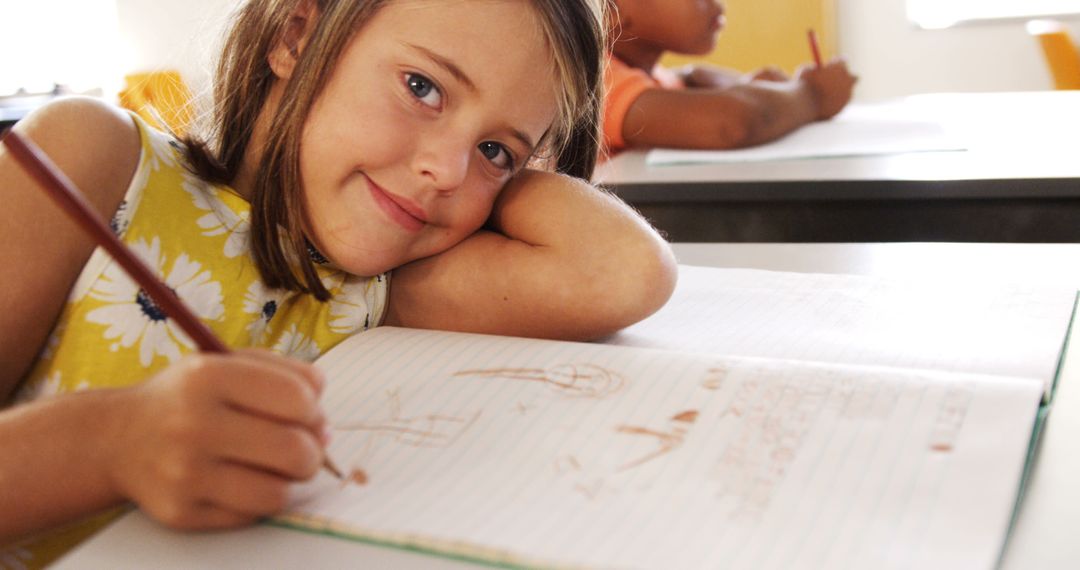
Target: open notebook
pixel 804 446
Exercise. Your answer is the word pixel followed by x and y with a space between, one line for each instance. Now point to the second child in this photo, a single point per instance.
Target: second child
pixel 703 107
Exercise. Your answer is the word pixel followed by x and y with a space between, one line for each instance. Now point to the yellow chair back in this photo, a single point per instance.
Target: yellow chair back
pixel 159 97
pixel 770 33
pixel 1059 50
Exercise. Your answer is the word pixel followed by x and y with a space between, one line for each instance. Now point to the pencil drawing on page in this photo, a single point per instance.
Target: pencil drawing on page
pixel 573 380
pixel 667 440
pixel 423 430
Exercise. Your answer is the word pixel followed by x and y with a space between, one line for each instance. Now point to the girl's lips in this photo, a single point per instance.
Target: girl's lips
pixel 398 209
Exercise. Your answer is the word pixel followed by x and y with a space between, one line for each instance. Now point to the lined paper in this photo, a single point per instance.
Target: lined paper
pixel 1004 329
pixel 860 130
pixel 574 454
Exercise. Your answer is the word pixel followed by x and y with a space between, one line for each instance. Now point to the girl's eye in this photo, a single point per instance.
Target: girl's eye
pixel 424 89
pixel 497 154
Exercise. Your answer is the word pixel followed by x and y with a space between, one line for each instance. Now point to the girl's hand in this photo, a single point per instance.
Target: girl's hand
pixel 830 84
pixel 215 440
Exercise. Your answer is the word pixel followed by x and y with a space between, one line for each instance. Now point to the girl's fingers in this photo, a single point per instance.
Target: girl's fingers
pixel 310 373
pixel 197 515
pixel 243 491
pixel 269 388
pixel 208 516
pixel 292 451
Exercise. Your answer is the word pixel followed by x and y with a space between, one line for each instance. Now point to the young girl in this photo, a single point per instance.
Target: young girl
pixel 352 137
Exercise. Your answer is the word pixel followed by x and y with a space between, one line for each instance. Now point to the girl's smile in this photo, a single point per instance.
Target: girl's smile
pixel 399 209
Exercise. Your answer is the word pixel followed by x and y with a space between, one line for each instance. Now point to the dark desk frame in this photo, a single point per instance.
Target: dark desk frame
pixel 1029 211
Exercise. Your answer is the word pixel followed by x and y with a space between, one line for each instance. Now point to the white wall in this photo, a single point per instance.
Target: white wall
pixel 184 35
pixel 891 56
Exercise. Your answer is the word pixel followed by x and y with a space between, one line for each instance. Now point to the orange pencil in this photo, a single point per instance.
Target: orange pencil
pixel 814 49
pixel 62 191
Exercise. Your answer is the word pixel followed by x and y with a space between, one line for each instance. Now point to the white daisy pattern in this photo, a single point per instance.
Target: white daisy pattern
pixel 293 343
pixel 51 385
pixel 132 317
pixel 349 311
pixel 264 302
pixel 163 151
pixel 220 218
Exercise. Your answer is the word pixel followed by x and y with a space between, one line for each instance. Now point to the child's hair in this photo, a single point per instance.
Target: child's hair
pixel 573 29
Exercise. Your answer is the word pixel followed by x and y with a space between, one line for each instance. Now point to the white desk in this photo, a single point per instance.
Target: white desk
pixel 1043 538
pixel 1019 181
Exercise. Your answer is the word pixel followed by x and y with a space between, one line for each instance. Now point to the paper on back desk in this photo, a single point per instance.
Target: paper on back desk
pixel 861 130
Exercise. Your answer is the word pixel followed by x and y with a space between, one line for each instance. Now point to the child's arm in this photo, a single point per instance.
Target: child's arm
pixel 705 76
pixel 743 114
pixel 566 260
pixel 41 249
pixel 208 442
pixel 213 441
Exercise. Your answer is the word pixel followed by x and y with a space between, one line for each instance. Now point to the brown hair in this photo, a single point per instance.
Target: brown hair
pixel 574 30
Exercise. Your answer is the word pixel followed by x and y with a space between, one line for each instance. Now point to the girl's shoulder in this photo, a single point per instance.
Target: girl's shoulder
pixel 95 144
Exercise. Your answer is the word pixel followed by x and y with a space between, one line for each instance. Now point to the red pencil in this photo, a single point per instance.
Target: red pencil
pixel 62 191
pixel 810 35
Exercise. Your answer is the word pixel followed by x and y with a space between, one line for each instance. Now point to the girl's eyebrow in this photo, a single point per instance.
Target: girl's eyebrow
pixel 454 70
pixel 448 65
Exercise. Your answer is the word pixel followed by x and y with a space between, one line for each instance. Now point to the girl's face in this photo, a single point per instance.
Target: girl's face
pixel 681 26
pixel 431 109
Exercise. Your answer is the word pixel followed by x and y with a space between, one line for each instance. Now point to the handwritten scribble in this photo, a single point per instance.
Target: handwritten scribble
pixel 424 430
pixel 774 421
pixel 590 490
pixel 567 464
pixel 714 378
pixel 689 416
pixel 950 419
pixel 574 380
pixel 666 441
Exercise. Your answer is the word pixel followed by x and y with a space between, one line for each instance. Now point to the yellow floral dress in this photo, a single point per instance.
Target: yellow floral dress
pixel 195 235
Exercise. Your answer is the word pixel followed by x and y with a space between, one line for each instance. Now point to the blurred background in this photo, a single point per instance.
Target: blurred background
pixel 897 47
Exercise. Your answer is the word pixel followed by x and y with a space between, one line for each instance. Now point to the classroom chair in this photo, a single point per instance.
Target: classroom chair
pixel 159 97
pixel 1060 51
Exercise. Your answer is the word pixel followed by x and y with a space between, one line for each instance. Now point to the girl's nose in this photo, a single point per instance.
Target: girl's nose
pixel 444 164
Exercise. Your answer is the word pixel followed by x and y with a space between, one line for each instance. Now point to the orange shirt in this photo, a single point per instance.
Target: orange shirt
pixel 623 85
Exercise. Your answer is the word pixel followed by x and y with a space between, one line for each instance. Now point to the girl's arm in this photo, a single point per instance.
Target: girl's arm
pixel 211 441
pixel 41 250
pixel 563 260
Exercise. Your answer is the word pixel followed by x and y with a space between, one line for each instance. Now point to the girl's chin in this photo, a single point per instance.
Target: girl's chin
pixel 371 265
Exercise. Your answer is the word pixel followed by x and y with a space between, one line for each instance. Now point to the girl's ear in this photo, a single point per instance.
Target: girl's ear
pixel 298 29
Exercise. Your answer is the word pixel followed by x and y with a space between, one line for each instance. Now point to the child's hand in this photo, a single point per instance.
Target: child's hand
pixel 214 440
pixel 770 73
pixel 831 85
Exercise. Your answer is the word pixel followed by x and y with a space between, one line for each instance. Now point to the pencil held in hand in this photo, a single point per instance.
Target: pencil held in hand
pixel 814 48
pixel 63 192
